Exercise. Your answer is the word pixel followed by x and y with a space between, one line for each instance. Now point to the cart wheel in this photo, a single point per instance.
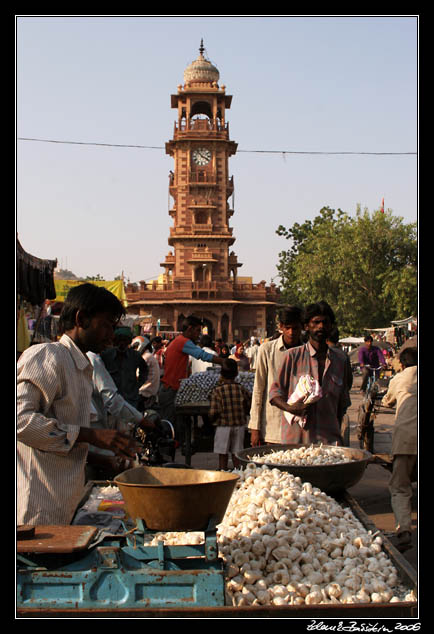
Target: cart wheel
pixel 345 430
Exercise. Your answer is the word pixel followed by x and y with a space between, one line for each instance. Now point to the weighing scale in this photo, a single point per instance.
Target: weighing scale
pixel 59 568
pixel 81 567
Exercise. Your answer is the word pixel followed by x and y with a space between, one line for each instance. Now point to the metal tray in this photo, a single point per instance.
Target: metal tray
pixel 57 539
pixel 329 478
pixel 344 611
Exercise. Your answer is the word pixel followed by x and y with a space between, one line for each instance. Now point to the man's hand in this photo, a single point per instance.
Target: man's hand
pixel 121 444
pixel 255 437
pixel 298 409
pixel 217 360
pixel 146 424
pixel 111 465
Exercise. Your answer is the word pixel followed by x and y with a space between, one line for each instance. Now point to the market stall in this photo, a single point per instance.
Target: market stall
pixel 62 288
pixel 193 400
pixel 175 545
pixel 34 286
pixel 258 542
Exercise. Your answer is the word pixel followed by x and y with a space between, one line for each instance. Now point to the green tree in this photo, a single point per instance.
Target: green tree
pixel 365 266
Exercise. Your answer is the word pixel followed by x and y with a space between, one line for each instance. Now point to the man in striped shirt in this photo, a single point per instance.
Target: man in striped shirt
pixel 54 391
pixel 329 368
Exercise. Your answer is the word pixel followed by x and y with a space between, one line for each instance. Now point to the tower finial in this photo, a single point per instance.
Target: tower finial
pixel 201 47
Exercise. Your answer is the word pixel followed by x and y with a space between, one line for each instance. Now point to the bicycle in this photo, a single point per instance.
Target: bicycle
pixel 368 410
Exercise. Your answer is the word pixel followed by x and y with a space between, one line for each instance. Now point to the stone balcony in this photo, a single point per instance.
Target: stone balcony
pixel 202 227
pixel 186 289
pixel 213 128
pixel 183 231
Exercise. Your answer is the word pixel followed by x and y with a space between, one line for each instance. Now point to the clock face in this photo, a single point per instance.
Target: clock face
pixel 201 156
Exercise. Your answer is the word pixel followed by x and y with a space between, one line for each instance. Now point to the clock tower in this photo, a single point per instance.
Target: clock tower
pixel 200 184
pixel 201 273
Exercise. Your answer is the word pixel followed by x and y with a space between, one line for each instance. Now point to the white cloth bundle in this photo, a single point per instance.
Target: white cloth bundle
pixel 308 390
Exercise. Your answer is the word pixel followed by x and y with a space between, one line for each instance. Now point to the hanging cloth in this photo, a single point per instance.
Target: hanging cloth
pixel 35 277
pixel 23 335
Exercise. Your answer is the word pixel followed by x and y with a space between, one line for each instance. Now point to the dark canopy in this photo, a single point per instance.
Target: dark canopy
pixel 35 277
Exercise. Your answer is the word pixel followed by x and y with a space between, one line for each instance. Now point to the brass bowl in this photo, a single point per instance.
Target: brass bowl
pixel 176 499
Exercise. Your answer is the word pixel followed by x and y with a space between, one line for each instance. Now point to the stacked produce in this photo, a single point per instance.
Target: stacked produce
pixel 312 455
pixel 197 388
pixel 285 542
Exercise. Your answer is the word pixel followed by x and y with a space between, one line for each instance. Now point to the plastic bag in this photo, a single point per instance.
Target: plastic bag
pixel 308 390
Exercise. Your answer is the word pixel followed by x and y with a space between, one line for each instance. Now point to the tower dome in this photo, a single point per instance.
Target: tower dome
pixel 201 70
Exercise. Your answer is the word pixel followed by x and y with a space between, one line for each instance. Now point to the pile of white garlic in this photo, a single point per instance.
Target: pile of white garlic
pixel 285 542
pixel 305 456
pixel 174 538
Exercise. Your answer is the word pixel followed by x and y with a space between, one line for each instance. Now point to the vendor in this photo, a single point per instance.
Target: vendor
pixel 176 367
pixel 53 410
pixel 317 360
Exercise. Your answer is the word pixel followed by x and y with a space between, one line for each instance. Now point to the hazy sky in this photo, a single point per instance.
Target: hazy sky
pixel 299 84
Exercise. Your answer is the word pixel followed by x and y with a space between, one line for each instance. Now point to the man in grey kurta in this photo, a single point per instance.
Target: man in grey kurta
pixel 265 420
pixel 325 365
pixel 402 394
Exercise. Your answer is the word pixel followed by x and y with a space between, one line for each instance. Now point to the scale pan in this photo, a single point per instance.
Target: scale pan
pixel 176 499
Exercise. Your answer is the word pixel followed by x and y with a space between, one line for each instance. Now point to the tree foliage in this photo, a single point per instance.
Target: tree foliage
pixel 365 267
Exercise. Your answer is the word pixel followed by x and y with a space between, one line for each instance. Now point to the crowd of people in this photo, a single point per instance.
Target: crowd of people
pixel 77 396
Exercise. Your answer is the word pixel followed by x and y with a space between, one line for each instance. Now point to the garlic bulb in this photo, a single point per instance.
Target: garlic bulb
pixel 305 547
pixel 285 542
pixel 303 456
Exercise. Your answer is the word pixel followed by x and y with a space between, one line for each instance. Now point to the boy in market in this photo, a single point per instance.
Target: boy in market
pixel 229 408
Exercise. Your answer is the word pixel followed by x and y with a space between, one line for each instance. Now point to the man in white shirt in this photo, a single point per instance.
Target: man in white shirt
pixel 265 420
pixel 109 410
pixel 149 390
pixel 402 394
pixel 54 390
pixel 197 365
pixel 252 353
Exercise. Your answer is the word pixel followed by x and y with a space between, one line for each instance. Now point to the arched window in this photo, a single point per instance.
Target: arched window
pixel 201 107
